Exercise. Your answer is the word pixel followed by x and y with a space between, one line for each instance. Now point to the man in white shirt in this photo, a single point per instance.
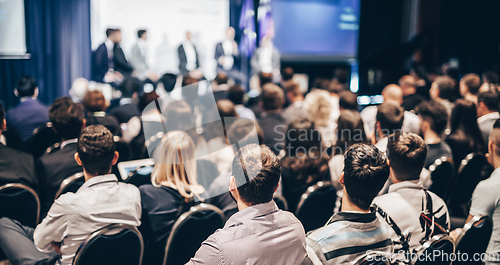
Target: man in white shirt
pixel 188 56
pixel 101 201
pixel 487 111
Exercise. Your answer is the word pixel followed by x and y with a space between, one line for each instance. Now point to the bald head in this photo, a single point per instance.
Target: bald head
pixel 407 83
pixel 394 93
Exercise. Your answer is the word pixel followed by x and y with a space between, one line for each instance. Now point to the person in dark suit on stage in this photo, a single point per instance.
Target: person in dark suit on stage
pixel 15 166
pixel 68 121
pixel 109 63
pixel 29 114
pixel 228 57
pixel 188 56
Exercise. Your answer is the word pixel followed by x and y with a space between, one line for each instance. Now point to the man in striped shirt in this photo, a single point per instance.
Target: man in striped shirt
pixel 354 231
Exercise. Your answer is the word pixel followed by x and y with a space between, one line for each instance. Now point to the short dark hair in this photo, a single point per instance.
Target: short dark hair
pixel 390 117
pixel 473 82
pixel 26 86
pixel 96 149
pixel 94 101
pixel 66 117
pixel 221 78
pixel 169 80
pixel 445 85
pixel 490 99
pixel 236 94
pixel 365 173
pixel 407 153
pixel 141 32
pixel 256 170
pixel 287 73
pixel 435 113
pixel 110 31
pixel 129 87
pixel 492 77
pixel 272 97
pixel 348 100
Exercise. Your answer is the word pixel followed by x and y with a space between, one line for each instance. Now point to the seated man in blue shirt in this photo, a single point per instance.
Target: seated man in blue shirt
pixel 356 230
pixel 259 233
pixel 101 201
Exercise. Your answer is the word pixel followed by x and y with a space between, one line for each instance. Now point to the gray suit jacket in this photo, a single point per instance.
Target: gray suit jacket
pixel 138 60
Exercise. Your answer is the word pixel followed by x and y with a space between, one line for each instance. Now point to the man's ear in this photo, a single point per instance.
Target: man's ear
pixel 16 92
pixel 232 184
pixel 84 123
pixel 341 179
pixel 277 187
pixel 4 125
pixel 115 158
pixel 36 92
pixel 77 159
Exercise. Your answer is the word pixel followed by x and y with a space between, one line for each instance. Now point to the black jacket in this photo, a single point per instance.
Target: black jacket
pixel 17 167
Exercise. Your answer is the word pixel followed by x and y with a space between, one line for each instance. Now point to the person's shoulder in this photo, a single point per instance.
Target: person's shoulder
pixel 386 200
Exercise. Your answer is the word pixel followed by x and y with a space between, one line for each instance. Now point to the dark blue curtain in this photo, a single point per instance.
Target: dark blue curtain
pixel 58 39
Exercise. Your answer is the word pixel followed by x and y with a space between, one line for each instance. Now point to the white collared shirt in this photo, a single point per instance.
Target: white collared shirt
pixel 190 55
pixel 490 116
pixel 101 201
pixel 109 46
pixel 70 141
pixel 227 45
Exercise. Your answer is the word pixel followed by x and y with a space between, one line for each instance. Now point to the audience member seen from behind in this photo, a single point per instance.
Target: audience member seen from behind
pixel 434 119
pixel 95 105
pixel 101 201
pixel 236 94
pixel 260 230
pixel 296 98
pixel 174 186
pixel 410 97
pixel 29 114
pixel 487 112
pixel 442 90
pixel 403 203
pixel 465 136
pixel 348 101
pixel 318 108
pixel 469 87
pixel 349 131
pixel 272 121
pixel 52 168
pixel 15 166
pixel 305 161
pixel 127 107
pixel 365 173
pixel 390 118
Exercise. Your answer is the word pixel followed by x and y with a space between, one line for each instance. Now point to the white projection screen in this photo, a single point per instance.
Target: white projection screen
pixel 166 22
pixel 12 28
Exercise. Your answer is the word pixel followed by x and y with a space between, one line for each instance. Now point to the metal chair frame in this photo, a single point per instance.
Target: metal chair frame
pixel 68 181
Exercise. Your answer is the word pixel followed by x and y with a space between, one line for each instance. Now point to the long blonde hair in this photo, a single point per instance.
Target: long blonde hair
pixel 175 165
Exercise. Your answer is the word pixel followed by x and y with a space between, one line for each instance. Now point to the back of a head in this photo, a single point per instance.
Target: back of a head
pixel 490 99
pixel 348 100
pixel 236 94
pixel 435 113
pixel 350 130
pixel 96 149
pixel 287 74
pixel 168 80
pixel 393 92
pixel 272 97
pixel 317 107
pixel 256 170
pixel 265 78
pixel 473 82
pixel 179 116
pixel 407 153
pixel 302 138
pixel 221 78
pixel 342 75
pixel 66 117
pixel 407 81
pixel 464 114
pixel 445 86
pixel 365 173
pixel 26 86
pixel 292 87
pixel 491 77
pixel 390 117
pixel 129 87
pixel 94 101
pixel 226 108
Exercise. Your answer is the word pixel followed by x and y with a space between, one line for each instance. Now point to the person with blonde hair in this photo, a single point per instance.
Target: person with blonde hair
pixel 318 108
pixel 174 188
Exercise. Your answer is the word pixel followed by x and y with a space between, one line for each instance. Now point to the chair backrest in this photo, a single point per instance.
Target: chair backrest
pixel 190 230
pixel 316 205
pixel 280 202
pixel 441 243
pixel 441 171
pixel 140 176
pixel 71 184
pixel 11 139
pixel 374 258
pixel 469 175
pixel 43 137
pixel 115 244
pixel 21 203
pixel 474 238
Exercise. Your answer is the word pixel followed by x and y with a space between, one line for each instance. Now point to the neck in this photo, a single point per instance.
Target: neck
pixel 496 161
pixel 486 112
pixel 430 135
pixel 242 205
pixel 87 175
pixel 297 99
pixel 348 206
pixel 26 98
pixel 409 91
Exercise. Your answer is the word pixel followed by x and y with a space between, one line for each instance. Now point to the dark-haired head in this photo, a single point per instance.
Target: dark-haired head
pixel 236 94
pixel 26 87
pixel 168 80
pixel 434 114
pixel 491 77
pixel 390 118
pixel 94 101
pixel 129 87
pixel 348 100
pixel 67 118
pixel 96 150
pixel 141 32
pixel 272 97
pixel 443 87
pixel 365 173
pixel 488 102
pixel 350 130
pixel 464 127
pixel 256 171
pixel 470 83
pixel 407 153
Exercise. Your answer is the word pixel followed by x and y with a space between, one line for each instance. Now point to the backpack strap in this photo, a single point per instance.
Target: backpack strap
pixel 403 239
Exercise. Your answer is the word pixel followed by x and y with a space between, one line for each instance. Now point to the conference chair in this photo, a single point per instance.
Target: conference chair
pixel 469 175
pixel 441 243
pixel 280 202
pixel 115 244
pixel 190 230
pixel 71 184
pixel 441 171
pixel 21 203
pixel 43 137
pixel 374 258
pixel 474 238
pixel 317 205
pixel 140 176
